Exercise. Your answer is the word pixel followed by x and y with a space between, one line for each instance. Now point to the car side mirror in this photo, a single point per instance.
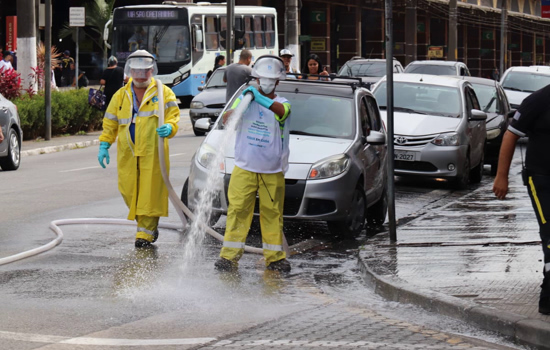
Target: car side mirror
pixel 200 88
pixel 203 124
pixel 512 113
pixel 478 115
pixel 376 138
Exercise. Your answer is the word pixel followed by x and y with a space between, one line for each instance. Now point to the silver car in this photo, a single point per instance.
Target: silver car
pixel 520 82
pixel 337 164
pixel 434 67
pixel 370 70
pixel 210 101
pixel 439 129
pixel 10 148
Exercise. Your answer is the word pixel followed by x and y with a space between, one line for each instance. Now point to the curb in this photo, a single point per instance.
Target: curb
pixel 517 327
pixel 54 149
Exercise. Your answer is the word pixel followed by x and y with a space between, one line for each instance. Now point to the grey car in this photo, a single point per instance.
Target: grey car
pixel 10 148
pixel 370 70
pixel 434 67
pixel 520 82
pixel 337 165
pixel 210 101
pixel 439 128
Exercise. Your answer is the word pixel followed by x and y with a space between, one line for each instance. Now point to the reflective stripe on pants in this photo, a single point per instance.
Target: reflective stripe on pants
pixel 146 227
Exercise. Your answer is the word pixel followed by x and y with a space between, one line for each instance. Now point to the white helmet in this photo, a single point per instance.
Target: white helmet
pixel 140 60
pixel 269 66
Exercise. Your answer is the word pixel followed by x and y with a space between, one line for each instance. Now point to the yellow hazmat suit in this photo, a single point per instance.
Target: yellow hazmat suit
pixel 139 177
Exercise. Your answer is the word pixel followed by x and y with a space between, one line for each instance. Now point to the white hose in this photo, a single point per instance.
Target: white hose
pixel 181 209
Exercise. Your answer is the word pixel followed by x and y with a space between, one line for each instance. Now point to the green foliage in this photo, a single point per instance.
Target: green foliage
pixel 70 113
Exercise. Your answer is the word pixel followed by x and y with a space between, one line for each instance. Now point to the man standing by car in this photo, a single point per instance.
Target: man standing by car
pixel 532 119
pixel 236 74
pixel 261 159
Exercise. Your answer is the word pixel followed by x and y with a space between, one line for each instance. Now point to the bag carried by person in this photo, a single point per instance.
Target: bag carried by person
pixel 96 98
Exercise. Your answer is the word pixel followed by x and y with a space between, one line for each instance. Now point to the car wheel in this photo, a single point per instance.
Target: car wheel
pixel 355 220
pixel 198 133
pixel 462 181
pixel 376 213
pixel 477 173
pixel 13 159
pixel 214 215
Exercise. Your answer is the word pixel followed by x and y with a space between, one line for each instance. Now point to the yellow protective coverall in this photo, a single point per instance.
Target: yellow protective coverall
pixel 139 177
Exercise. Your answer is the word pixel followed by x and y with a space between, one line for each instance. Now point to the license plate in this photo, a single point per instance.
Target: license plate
pixel 405 156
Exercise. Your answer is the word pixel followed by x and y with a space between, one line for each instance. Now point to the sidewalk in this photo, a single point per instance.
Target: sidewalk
pixel 61 143
pixel 476 258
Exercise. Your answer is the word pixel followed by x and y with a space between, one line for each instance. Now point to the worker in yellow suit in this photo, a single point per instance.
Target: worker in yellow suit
pixel 132 115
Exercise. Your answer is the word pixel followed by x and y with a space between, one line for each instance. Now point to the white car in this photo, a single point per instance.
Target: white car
pixel 435 67
pixel 520 82
pixel 439 128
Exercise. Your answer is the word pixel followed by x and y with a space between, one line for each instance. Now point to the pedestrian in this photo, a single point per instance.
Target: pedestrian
pixel 286 55
pixel 315 67
pixel 218 62
pixel 237 74
pixel 495 74
pixel 261 159
pixel 532 119
pixel 5 64
pixel 67 69
pixel 113 79
pixel 82 79
pixel 132 115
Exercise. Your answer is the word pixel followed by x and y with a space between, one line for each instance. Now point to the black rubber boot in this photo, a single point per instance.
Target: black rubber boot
pixel 142 243
pixel 225 265
pixel 280 265
pixel 155 236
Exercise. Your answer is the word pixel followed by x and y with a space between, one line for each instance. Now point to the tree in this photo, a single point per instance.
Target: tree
pixel 98 13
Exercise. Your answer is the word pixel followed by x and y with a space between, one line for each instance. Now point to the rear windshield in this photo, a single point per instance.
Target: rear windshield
pixel 525 81
pixel 431 69
pixel 367 69
pixel 421 98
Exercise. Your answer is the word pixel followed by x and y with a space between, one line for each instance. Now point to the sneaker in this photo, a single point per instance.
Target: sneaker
pixel 280 265
pixel 544 304
pixel 155 236
pixel 142 243
pixel 224 265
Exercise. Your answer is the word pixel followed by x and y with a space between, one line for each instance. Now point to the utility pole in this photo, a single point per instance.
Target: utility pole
pixel 229 42
pixel 410 31
pixel 47 69
pixel 503 37
pixel 389 118
pixel 26 40
pixel 292 30
pixel 452 48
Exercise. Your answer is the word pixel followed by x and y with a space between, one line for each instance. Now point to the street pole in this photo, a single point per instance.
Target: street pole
pixel 452 49
pixel 292 31
pixel 76 64
pixel 26 42
pixel 410 31
pixel 389 117
pixel 229 31
pixel 503 37
pixel 48 70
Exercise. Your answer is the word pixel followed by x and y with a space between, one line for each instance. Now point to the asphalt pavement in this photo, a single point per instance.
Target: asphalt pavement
pixel 473 257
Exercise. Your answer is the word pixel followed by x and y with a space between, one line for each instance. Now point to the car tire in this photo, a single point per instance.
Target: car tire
pixel 476 174
pixel 198 133
pixel 376 213
pixel 462 181
pixel 13 159
pixel 214 216
pixel 355 219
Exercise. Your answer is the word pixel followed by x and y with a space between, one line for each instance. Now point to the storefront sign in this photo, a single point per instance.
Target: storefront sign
pixel 435 51
pixel 318 16
pixel 545 9
pixel 11 33
pixel 318 44
pixel 487 35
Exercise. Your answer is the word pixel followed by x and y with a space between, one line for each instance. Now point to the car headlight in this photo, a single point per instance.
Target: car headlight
pixel 450 139
pixel 493 133
pixel 196 105
pixel 329 167
pixel 206 155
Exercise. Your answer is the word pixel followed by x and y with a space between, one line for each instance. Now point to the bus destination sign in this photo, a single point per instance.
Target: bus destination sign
pixel 151 14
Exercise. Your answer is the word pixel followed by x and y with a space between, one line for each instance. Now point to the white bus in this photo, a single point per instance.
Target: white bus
pixel 186 38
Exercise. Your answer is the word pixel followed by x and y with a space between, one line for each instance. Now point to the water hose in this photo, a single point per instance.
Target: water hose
pixel 181 209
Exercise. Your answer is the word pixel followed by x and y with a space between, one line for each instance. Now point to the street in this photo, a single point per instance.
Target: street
pixel 96 291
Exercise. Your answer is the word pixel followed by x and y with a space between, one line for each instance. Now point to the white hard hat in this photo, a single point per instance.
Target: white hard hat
pixel 269 66
pixel 140 60
pixel 286 52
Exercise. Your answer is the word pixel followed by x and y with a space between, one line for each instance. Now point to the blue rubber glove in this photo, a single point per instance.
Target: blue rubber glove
pixel 103 153
pixel 258 97
pixel 165 130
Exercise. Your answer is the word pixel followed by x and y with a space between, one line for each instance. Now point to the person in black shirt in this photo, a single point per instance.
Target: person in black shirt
pixel 113 78
pixel 218 62
pixel 532 119
pixel 67 69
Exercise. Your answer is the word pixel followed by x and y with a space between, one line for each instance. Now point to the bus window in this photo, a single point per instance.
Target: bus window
pixel 270 31
pixel 211 33
pixel 223 26
pixel 258 32
pixel 248 33
pixel 239 33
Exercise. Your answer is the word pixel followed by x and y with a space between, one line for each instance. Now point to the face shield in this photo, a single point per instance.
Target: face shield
pixel 141 66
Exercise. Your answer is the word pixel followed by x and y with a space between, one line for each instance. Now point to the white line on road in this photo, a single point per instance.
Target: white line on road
pixel 90 167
